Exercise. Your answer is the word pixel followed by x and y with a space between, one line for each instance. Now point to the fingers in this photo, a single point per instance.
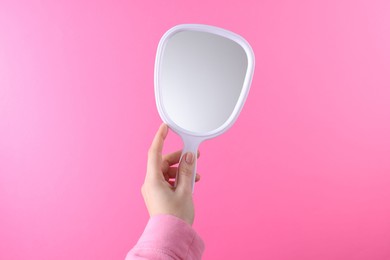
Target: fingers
pixel 172 171
pixel 172 159
pixel 160 166
pixel 186 171
pixel 155 152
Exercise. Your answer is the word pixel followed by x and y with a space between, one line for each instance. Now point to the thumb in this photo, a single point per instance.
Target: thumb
pixel 186 172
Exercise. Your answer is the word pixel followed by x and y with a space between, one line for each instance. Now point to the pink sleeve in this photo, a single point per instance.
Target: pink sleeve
pixel 167 237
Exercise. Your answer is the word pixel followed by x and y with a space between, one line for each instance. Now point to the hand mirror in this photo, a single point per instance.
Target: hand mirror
pixel 202 78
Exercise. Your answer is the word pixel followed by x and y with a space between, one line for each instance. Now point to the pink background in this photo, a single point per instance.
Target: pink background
pixel 303 174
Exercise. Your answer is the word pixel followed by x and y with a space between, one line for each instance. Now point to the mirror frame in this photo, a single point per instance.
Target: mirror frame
pixel 245 88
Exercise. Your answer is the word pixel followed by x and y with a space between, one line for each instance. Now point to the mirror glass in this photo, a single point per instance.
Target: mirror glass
pixel 201 78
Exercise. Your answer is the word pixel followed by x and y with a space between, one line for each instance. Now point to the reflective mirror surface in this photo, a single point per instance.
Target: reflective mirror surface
pixel 201 78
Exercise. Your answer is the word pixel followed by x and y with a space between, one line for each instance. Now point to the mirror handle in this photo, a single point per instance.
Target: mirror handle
pixel 191 144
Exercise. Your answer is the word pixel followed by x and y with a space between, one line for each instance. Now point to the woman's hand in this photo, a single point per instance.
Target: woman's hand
pixel 160 196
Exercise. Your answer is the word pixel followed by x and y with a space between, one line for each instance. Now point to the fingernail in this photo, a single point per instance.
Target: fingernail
pixel 189 158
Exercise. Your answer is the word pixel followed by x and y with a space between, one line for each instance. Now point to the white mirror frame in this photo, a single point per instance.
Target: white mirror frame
pixel 191 139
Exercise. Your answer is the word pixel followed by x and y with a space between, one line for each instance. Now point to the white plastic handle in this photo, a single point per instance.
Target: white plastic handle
pixel 191 145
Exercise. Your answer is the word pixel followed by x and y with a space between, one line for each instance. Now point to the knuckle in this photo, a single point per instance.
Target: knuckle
pixel 186 171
